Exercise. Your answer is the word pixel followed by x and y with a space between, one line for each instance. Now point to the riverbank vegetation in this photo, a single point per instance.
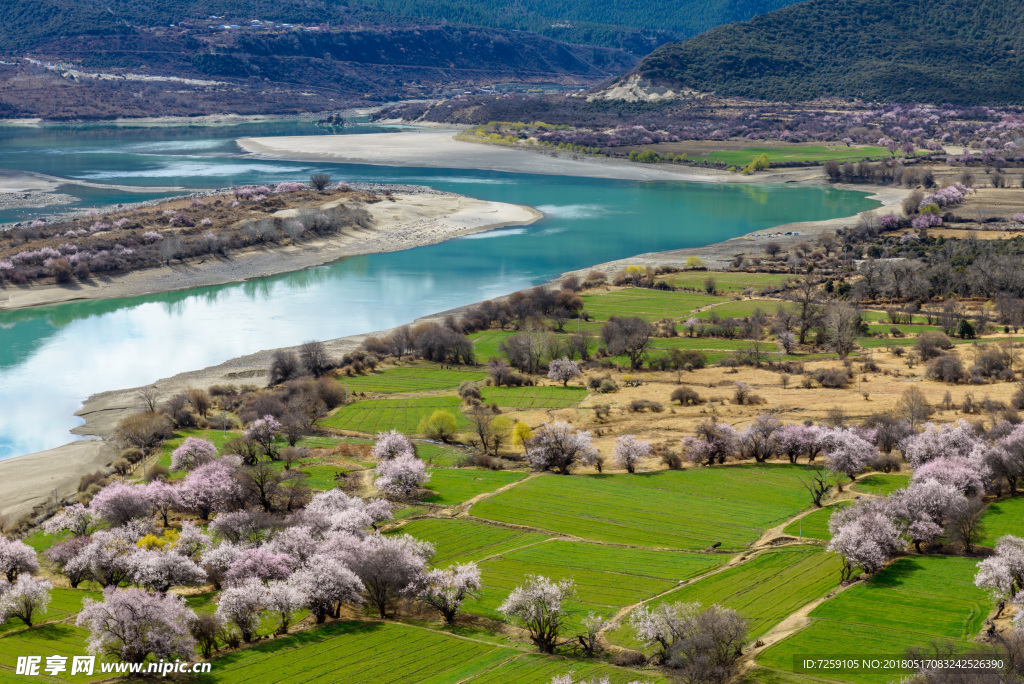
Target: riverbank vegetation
pixel 191 229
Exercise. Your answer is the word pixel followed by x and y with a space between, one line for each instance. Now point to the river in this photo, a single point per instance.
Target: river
pixel 52 358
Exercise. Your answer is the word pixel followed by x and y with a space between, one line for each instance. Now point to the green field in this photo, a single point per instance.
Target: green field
pixel 701 343
pixel 882 484
pixel 607 578
pixel 415 378
pixel 63 604
pixel 796 153
pixel 380 415
pixel 369 652
pixel 764 590
pixel 726 282
pixel 914 602
pixel 814 525
pixel 58 639
pixel 651 305
pixel 741 309
pixel 455 485
pixel 681 509
pixel 460 540
pixel 534 397
pixel 1002 517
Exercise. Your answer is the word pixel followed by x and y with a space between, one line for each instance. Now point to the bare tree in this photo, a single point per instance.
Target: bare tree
pixel 149 398
pixel 842 323
pixel 913 406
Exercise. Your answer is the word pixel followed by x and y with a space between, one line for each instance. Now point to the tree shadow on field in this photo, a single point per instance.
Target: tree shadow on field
pixel 895 575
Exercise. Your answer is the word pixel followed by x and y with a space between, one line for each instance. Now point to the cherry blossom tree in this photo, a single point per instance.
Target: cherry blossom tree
pixel 132 624
pixel 192 542
pixel 160 570
pixel 389 567
pixel 264 431
pixel 794 440
pixel 629 451
pixel 16 558
pixel 295 542
pixel 401 476
pixel 1006 457
pixel 286 600
pixel 958 439
pixel 259 563
pixel 60 554
pixel 25 598
pixel 539 605
pixel 163 498
pixel 105 559
pixel 217 561
pixel 864 536
pixel 558 446
pixel 208 488
pixel 846 452
pixel 243 605
pixel 1002 574
pixel 334 510
pixel 119 502
pixel 446 590
pixel 327 584
pixel 193 452
pixel 75 518
pixel 712 442
pixel 967 475
pixel 391 445
pixel 662 625
pixel 922 509
pixel 563 370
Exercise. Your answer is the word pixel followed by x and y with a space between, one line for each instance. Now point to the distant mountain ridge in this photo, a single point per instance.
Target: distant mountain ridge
pixel 637 28
pixel 884 50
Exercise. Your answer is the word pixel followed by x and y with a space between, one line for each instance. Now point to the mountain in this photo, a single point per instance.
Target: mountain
pixel 637 27
pixel 882 50
pixel 101 58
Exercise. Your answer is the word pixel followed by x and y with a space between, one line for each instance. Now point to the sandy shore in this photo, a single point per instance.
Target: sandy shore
pixel 438 149
pixel 412 220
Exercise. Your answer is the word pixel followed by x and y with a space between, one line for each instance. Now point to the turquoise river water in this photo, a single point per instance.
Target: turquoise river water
pixel 52 358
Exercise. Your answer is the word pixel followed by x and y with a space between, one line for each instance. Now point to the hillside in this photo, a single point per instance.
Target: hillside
pixel 637 30
pixel 886 50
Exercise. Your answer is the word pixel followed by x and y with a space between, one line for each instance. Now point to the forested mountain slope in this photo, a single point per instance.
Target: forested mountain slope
pixel 887 50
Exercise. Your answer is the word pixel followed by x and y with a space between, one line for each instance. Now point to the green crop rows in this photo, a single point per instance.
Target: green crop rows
pixel 410 379
pixel 651 305
pixel 689 509
pixel 607 578
pixel 534 397
pixel 727 282
pixel 814 525
pixel 764 589
pixel 455 485
pixel 461 540
pixel 381 415
pixel 914 602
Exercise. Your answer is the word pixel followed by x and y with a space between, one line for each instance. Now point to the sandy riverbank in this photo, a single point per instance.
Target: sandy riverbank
pixel 412 220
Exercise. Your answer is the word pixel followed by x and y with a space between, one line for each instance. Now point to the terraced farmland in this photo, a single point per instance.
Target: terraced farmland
pixel 534 397
pixel 914 602
pixel 607 578
pixel 651 305
pixel 727 282
pixel 371 652
pixel 455 485
pixel 380 415
pixel 460 540
pixel 687 509
pixel 416 378
pixel 764 589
